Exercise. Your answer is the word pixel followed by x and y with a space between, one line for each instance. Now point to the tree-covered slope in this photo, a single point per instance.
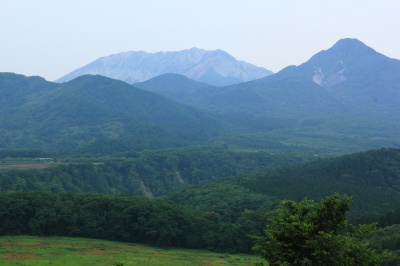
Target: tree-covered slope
pixel 363 80
pixel 171 83
pixel 41 114
pixel 372 178
pixel 348 79
pixel 17 92
pixel 175 86
pixel 148 173
pixel 227 210
pixel 349 90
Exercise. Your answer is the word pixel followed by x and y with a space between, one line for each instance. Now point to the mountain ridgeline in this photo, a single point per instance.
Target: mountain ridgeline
pixel 349 78
pixel 41 114
pixel 372 179
pixel 213 67
pixel 344 99
pixel 148 173
pixel 348 91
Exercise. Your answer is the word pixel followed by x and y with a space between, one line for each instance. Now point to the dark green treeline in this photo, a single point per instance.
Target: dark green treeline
pixel 124 218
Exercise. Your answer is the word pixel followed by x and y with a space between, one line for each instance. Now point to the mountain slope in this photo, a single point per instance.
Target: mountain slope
pixel 348 94
pixel 352 72
pixel 175 86
pixel 16 90
pixel 372 179
pixel 173 83
pixel 93 108
pixel 213 67
pixel 348 75
pixel 363 89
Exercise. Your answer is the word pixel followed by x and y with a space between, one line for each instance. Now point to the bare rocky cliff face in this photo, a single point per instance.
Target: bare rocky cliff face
pixel 213 67
pixel 328 79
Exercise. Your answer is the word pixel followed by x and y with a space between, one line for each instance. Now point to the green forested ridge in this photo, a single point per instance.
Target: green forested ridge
pixel 372 179
pixel 353 108
pixel 41 114
pixel 175 86
pixel 150 173
pixel 17 90
pixel 104 116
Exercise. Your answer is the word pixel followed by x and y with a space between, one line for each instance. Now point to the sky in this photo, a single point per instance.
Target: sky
pixel 51 38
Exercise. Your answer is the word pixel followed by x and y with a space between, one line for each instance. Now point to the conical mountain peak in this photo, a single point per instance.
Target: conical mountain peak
pixel 345 49
pixel 349 43
pixel 348 60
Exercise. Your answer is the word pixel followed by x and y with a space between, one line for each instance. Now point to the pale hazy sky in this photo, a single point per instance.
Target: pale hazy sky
pixel 50 38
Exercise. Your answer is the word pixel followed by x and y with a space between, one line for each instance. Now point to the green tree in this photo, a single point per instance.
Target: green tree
pixel 310 233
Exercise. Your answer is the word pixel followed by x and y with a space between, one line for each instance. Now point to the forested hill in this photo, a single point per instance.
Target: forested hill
pixel 222 213
pixel 176 87
pixel 35 113
pixel 148 173
pixel 372 179
pixel 347 93
pixel 238 180
pixel 342 100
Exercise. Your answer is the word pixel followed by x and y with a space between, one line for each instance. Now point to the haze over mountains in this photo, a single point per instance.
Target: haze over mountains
pixel 213 67
pixel 229 154
pixel 349 85
pixel 346 95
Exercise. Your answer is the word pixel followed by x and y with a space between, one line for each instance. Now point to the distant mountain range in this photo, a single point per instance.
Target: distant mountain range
pixel 349 81
pixel 346 95
pixel 213 67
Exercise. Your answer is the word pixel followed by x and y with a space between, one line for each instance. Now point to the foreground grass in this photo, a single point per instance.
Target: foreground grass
pixel 28 250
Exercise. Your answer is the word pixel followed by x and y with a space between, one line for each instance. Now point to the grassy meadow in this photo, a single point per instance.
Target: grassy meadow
pixel 35 251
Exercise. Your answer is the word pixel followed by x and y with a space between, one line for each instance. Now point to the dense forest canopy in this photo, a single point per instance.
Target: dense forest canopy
pixel 216 216
pixel 150 173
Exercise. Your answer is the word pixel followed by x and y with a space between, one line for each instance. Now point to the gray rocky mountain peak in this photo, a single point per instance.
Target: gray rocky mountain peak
pixel 213 67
